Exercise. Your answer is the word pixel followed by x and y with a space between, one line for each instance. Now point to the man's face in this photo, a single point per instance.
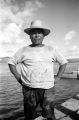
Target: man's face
pixel 37 37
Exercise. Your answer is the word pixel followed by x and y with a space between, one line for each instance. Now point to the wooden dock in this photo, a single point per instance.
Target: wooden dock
pixel 69 110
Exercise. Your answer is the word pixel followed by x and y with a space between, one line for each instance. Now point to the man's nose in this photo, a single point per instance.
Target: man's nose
pixel 36 34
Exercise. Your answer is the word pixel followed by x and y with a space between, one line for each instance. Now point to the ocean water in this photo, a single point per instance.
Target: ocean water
pixel 11 98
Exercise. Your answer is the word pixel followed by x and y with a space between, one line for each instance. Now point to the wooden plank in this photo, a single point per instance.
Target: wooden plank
pixel 69 110
pixel 71 114
pixel 66 118
pixel 76 97
pixel 59 114
pixel 71 104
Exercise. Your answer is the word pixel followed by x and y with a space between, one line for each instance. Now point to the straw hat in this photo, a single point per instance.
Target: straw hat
pixel 37 25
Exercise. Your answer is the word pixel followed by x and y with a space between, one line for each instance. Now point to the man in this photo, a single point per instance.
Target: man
pixel 37 75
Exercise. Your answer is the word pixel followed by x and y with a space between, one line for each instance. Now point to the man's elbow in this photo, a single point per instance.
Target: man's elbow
pixel 63 65
pixel 11 66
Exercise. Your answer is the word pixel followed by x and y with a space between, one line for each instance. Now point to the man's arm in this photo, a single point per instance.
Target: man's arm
pixel 15 73
pixel 60 71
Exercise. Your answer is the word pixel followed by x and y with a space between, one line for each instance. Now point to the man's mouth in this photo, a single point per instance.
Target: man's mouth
pixel 37 38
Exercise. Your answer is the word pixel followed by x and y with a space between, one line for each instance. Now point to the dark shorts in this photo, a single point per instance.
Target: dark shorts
pixel 37 96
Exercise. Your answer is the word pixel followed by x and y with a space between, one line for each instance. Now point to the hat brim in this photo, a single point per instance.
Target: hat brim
pixel 29 30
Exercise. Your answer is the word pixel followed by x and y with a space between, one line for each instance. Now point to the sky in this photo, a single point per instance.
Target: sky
pixel 60 16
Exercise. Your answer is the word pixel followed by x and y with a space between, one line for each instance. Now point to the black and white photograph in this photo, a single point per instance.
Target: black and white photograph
pixel 39 59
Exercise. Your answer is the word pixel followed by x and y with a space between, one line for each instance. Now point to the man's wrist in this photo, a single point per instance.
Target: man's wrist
pixel 57 77
pixel 19 80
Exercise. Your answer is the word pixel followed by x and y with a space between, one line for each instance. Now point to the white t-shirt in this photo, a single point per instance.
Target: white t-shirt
pixel 37 65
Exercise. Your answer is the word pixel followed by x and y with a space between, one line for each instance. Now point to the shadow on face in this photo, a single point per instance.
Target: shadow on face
pixel 36 36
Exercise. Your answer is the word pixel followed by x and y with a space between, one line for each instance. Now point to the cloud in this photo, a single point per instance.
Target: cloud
pixel 70 35
pixel 16 13
pixel 70 39
pixel 10 33
pixel 14 16
pixel 73 51
pixel 74 48
pixel 39 3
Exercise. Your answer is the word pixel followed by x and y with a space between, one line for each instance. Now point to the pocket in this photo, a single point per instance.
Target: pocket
pixel 32 98
pixel 29 96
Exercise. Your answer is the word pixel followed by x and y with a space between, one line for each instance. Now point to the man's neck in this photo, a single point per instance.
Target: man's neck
pixel 37 45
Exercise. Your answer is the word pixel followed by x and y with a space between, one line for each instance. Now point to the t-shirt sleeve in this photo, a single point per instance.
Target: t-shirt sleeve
pixel 58 57
pixel 16 58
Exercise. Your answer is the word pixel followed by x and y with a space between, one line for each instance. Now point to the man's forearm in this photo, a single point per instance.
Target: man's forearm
pixel 15 73
pixel 61 70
